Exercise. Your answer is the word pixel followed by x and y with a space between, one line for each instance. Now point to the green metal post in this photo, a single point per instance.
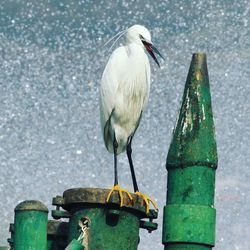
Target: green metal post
pixel 189 216
pixel 30 226
pixel 106 225
pixel 11 239
pixel 57 235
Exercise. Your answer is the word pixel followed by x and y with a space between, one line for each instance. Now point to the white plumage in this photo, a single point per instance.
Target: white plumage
pixel 125 89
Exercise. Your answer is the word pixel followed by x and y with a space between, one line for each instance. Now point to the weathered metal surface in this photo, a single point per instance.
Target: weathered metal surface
pixel 193 141
pixel 116 232
pixel 109 226
pixel 189 223
pixel 189 216
pixel 193 185
pixel 32 205
pixel 149 225
pixel 30 226
pixel 98 196
pixel 59 214
pixel 58 228
pixel 57 235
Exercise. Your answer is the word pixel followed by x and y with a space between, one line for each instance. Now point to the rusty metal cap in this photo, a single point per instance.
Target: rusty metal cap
pixel 96 196
pixel 31 205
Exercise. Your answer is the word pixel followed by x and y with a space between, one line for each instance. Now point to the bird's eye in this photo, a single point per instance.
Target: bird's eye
pixel 141 37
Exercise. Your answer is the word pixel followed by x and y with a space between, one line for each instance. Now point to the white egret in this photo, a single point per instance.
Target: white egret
pixel 124 93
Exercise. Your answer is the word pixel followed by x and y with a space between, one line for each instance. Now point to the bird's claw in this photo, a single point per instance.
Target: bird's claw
pixel 147 201
pixel 120 191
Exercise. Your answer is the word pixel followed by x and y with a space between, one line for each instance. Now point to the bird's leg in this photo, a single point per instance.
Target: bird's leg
pixel 115 146
pixel 129 155
pixel 144 197
pixel 116 186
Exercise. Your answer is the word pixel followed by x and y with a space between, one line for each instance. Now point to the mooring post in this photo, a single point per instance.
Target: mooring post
pixel 30 226
pixel 102 225
pixel 189 215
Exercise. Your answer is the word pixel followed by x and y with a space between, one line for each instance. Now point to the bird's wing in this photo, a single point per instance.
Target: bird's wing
pixel 109 86
pixel 138 122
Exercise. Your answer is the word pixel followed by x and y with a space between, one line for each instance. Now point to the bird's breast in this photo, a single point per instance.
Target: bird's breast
pixel 131 97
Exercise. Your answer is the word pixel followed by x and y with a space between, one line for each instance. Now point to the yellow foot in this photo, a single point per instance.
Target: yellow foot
pixel 120 191
pixel 147 200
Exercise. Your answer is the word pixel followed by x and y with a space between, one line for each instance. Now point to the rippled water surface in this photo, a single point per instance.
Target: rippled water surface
pixel 51 61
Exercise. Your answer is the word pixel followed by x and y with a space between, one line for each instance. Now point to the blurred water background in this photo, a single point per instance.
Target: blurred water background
pixel 51 61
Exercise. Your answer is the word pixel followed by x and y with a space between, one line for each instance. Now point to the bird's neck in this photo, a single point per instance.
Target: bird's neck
pixel 134 49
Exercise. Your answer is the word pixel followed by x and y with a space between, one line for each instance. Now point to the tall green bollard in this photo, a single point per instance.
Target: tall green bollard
pixel 102 225
pixel 189 216
pixel 30 226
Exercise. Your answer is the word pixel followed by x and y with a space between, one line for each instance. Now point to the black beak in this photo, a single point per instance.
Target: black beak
pixel 151 49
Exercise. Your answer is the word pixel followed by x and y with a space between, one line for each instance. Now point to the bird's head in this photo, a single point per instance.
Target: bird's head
pixel 140 35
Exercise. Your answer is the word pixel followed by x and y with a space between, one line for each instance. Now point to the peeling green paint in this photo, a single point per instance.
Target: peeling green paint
pixel 30 226
pixel 193 141
pixel 189 216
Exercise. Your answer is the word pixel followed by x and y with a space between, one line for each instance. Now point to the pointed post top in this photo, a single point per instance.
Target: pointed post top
pixel 193 141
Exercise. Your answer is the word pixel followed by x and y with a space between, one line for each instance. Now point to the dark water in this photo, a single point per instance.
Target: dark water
pixel 51 61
